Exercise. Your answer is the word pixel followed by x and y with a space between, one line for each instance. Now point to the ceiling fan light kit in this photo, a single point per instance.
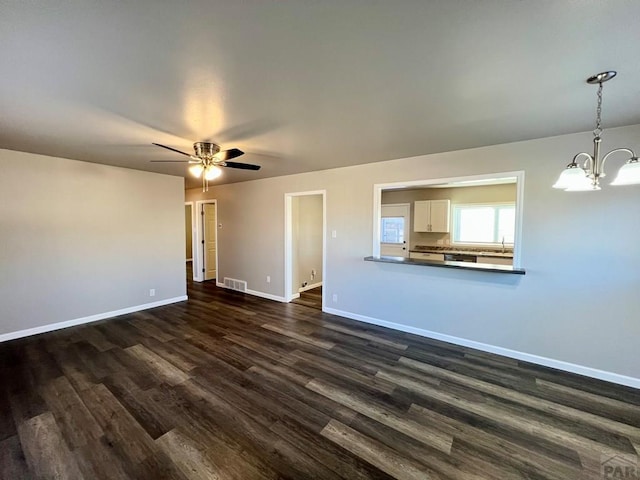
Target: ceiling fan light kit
pixel 205 149
pixel 208 160
pixel 575 178
pixel 196 170
pixel 212 172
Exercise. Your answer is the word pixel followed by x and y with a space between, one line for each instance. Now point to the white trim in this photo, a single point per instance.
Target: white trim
pixel 377 201
pixel 268 296
pixel 517 239
pixel 288 245
pixel 506 352
pixel 91 318
pixel 256 293
pixel 308 287
pixel 377 214
pixel 198 275
pixel 193 238
pixel 288 241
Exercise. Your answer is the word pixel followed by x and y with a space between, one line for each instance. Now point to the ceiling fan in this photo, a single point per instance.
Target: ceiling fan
pixel 207 160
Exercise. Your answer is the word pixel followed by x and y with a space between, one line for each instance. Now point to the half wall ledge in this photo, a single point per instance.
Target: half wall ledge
pixel 481 267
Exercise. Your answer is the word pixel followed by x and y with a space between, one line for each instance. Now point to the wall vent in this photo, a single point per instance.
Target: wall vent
pixel 233 284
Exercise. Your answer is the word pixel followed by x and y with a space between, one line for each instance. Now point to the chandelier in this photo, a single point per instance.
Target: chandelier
pixel 576 178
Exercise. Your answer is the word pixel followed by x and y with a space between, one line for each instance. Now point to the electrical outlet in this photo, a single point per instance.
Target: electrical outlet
pixel 268 278
pixel 335 298
pixel 334 234
pixel 313 274
pixel 440 242
pixel 152 292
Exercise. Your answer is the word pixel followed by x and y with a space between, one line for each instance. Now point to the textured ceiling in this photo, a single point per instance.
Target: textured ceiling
pixel 306 85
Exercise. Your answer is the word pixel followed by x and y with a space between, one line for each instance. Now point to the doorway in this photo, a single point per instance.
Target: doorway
pixel 395 220
pixel 305 245
pixel 205 254
pixel 189 229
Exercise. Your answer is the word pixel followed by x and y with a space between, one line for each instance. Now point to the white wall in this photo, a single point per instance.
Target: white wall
pixel 80 239
pixel 578 302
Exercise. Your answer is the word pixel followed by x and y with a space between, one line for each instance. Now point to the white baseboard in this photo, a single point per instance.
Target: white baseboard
pixel 268 296
pixel 91 318
pixel 310 287
pixel 294 296
pixel 526 357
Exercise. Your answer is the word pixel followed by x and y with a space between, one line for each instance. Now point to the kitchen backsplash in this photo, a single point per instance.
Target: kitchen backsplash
pixel 456 248
pixel 439 239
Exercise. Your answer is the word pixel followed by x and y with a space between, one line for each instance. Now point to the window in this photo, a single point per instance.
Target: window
pixel 496 197
pixel 392 230
pixel 484 224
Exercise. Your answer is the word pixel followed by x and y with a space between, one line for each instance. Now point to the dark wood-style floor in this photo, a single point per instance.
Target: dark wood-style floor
pixel 311 298
pixel 229 386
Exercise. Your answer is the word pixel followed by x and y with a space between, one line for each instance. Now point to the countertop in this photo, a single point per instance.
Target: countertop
pixel 462 251
pixel 479 267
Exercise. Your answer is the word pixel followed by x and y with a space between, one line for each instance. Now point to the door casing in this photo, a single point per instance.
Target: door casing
pixel 198 256
pixel 288 243
pixel 193 237
pixel 210 231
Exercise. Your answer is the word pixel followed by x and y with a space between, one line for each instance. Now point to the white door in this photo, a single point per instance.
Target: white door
pixel 209 224
pixel 394 230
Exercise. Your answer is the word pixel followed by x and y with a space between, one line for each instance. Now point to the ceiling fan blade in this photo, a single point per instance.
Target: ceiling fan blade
pixel 242 166
pixel 172 149
pixel 225 155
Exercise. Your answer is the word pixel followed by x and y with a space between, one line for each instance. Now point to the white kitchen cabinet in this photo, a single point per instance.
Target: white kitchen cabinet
pixel 495 260
pixel 426 256
pixel 431 216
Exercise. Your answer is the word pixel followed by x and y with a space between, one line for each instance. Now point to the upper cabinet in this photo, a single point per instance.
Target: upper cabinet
pixel 431 216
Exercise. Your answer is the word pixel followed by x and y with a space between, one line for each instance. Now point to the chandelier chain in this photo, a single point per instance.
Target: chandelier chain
pixel 598 130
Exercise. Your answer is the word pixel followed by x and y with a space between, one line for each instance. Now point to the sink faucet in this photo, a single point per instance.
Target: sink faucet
pixel 503 244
